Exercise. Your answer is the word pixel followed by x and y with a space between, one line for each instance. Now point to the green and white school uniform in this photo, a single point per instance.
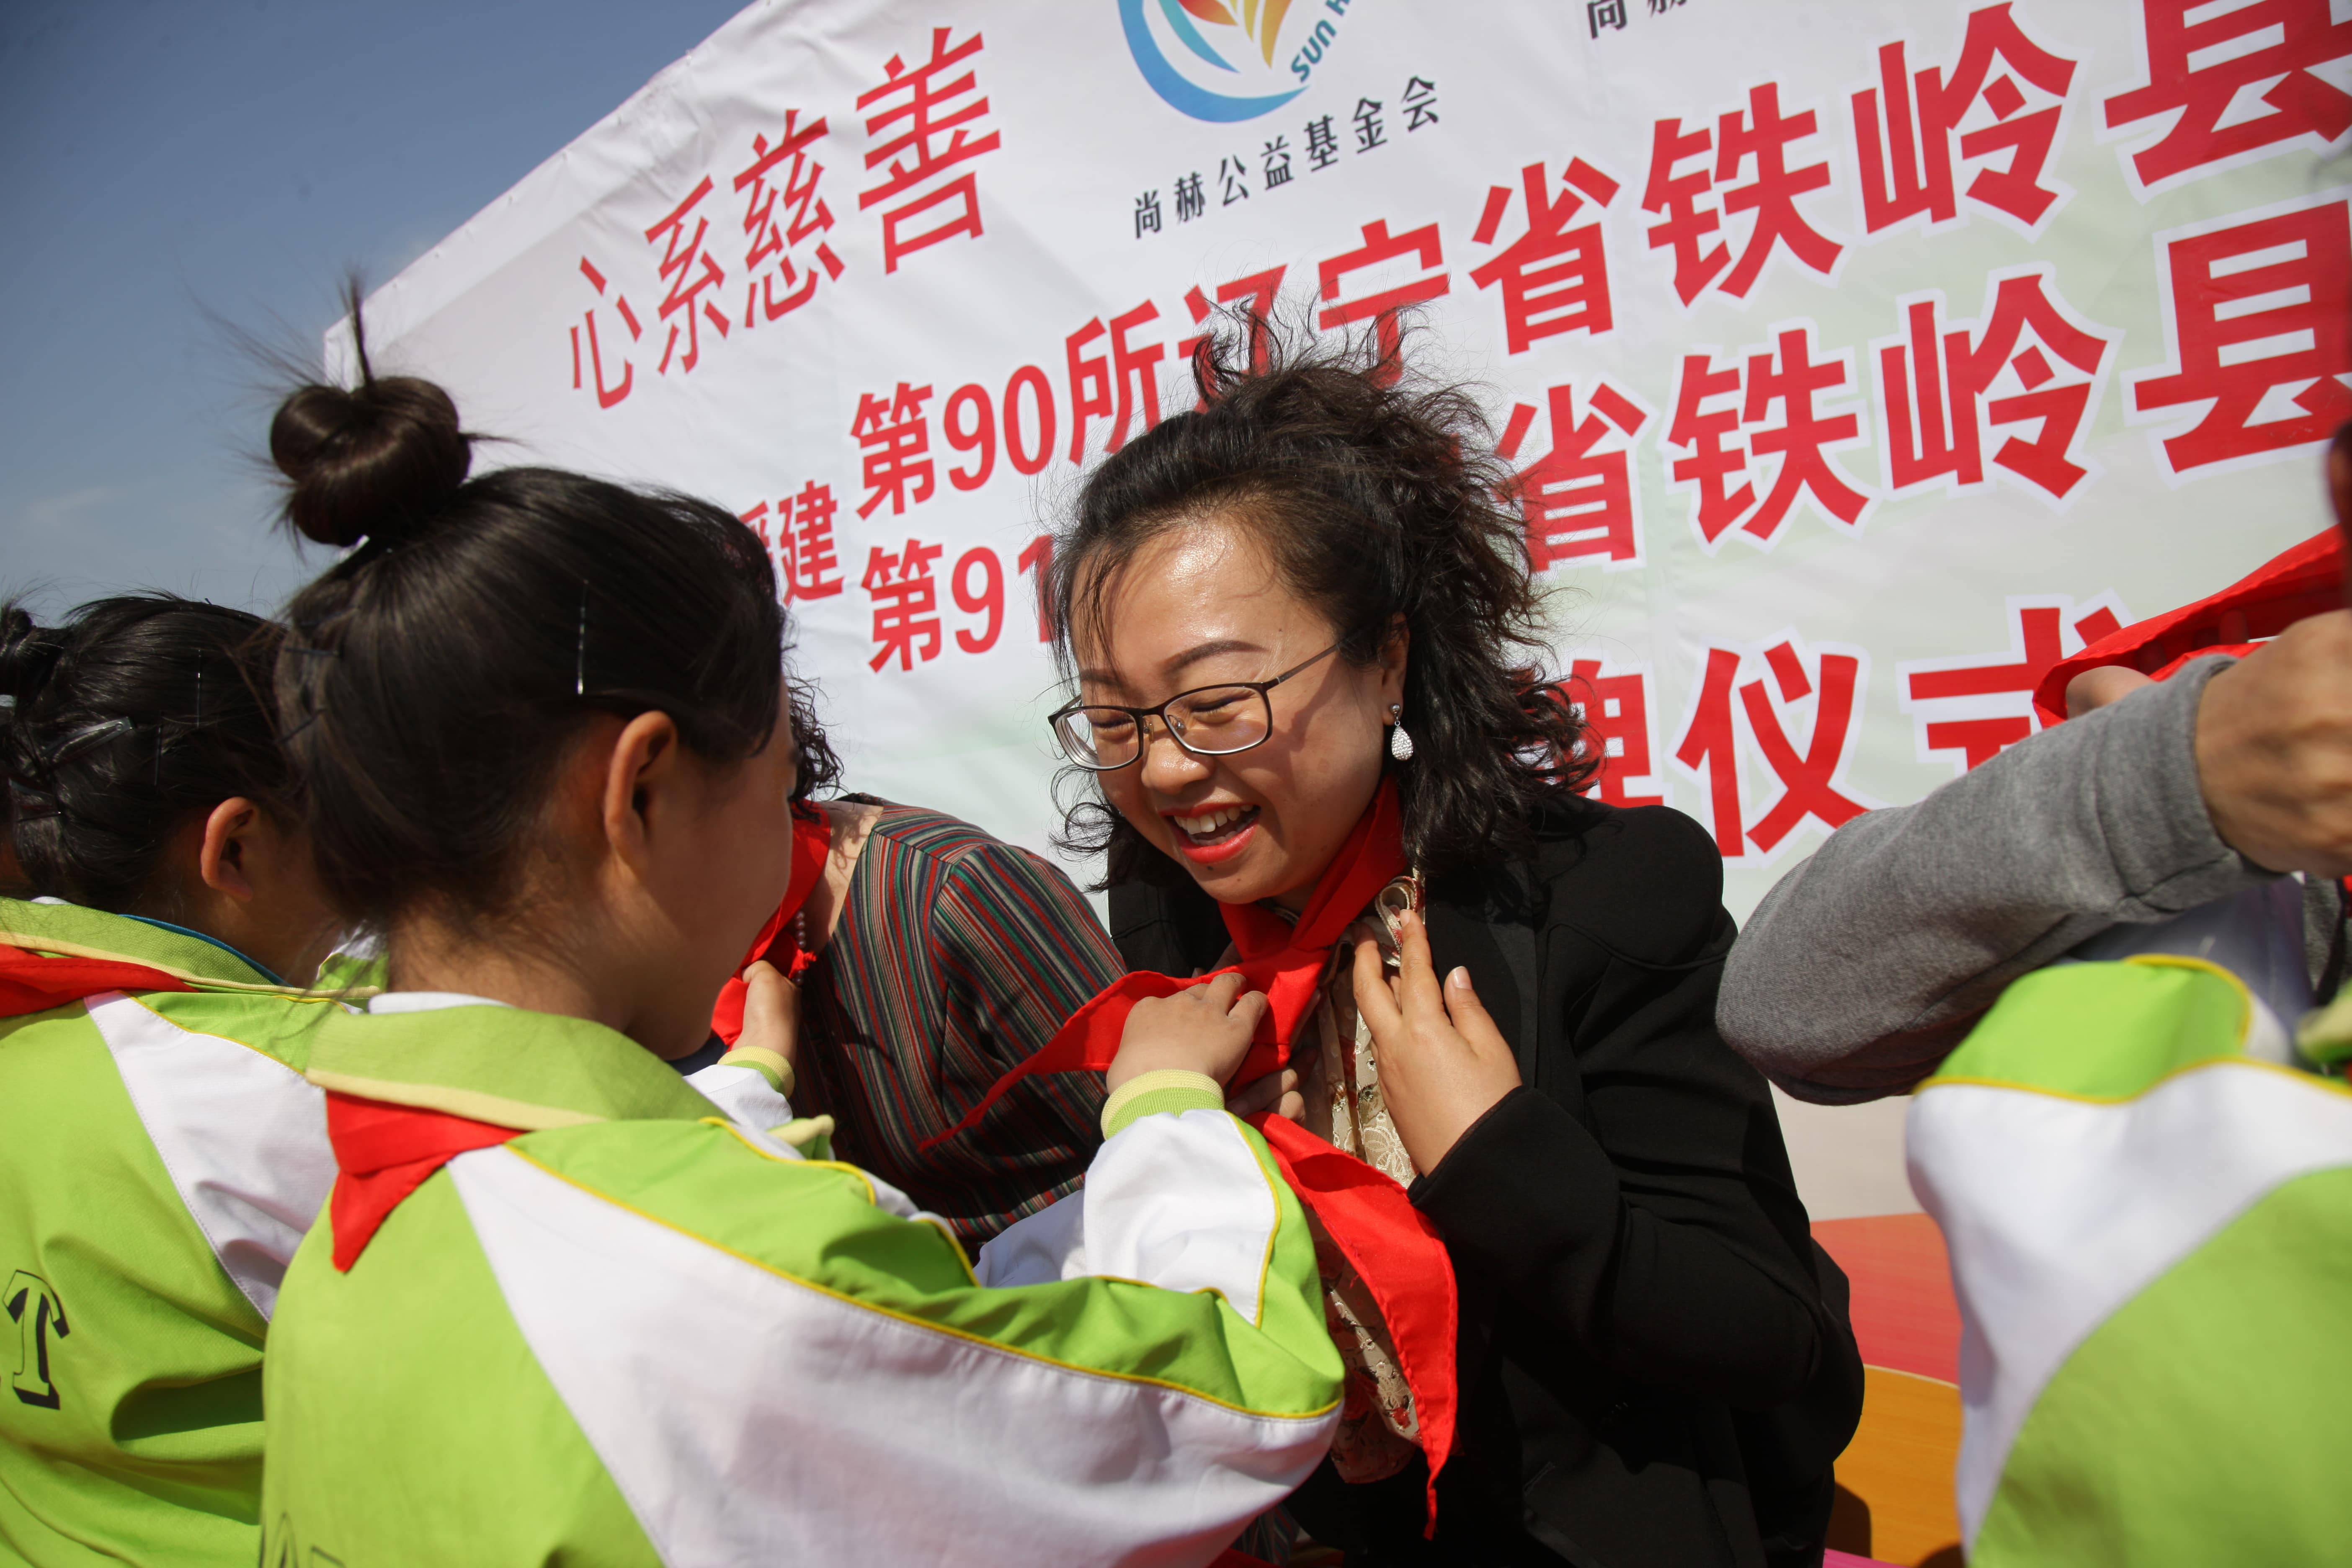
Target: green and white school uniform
pixel 160 1157
pixel 634 1333
pixel 2150 1222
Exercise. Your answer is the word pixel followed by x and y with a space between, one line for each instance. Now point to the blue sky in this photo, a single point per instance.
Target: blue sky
pixel 171 167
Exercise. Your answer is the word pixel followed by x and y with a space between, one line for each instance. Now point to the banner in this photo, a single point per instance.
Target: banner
pixel 1863 359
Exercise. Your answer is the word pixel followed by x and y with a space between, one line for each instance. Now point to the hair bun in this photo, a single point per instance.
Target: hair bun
pixel 28 654
pixel 372 461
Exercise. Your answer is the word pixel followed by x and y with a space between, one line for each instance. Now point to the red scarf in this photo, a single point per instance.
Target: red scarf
pixel 32 983
pixel 1395 1250
pixel 2306 580
pixel 382 1153
pixel 777 941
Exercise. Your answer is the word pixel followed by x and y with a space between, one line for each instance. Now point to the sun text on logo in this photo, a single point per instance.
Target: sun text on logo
pixel 1224 60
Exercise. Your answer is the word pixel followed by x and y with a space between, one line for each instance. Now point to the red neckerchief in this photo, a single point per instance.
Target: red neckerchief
pixel 30 983
pixel 812 846
pixel 1395 1249
pixel 2306 580
pixel 384 1152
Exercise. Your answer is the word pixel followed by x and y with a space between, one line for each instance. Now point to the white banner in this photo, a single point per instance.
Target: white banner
pixel 1863 358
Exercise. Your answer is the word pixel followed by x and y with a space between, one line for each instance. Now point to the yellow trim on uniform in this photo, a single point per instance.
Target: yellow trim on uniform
pixel 801 1131
pixel 41 943
pixel 2297 1074
pixel 472 1104
pixel 925 1323
pixel 773 1065
pixel 230 1039
pixel 1136 1088
pixel 2179 960
pixel 1274 1185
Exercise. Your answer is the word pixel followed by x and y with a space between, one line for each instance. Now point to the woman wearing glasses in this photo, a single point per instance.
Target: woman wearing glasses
pixel 1301 631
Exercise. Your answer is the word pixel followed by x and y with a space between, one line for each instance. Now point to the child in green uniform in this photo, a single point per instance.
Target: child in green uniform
pixel 560 1312
pixel 161 1154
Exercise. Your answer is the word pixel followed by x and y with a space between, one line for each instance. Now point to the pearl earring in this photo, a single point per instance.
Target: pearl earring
pixel 1399 743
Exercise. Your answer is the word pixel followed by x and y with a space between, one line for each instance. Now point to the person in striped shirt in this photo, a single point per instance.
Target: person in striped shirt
pixel 931 959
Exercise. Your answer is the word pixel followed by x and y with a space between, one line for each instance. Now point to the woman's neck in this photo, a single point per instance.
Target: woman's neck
pixel 852 822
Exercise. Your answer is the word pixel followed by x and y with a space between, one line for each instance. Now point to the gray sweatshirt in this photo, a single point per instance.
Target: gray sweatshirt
pixel 1866 964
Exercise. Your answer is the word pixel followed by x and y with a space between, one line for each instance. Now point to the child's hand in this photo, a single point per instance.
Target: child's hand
pixel 1202 1028
pixel 772 1014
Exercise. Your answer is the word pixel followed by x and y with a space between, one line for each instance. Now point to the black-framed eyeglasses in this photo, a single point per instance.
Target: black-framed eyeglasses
pixel 1208 721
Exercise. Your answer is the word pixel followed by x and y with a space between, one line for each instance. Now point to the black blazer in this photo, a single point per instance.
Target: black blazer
pixel 1656 1363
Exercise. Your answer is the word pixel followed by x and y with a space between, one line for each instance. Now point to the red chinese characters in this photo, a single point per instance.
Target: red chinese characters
pixel 2241 80
pixel 687 270
pixel 1715 468
pixel 1908 167
pixel 1943 393
pixel 921 132
pixel 591 371
pixel 800 533
pixel 1971 708
pixel 782 275
pixel 1757 140
pixel 1121 385
pixel 906 604
pixel 896 440
pixel 1616 709
pixel 1554 278
pixel 2257 325
pixel 1578 500
pixel 1418 248
pixel 1770 710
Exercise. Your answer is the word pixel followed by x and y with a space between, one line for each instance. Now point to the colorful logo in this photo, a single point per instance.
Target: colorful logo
pixel 1210 75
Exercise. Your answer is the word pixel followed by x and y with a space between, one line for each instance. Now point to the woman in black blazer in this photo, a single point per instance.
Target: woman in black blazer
pixel 1297 615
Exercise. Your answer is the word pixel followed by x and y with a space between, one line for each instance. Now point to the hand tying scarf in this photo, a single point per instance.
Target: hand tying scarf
pixel 779 940
pixel 1395 1250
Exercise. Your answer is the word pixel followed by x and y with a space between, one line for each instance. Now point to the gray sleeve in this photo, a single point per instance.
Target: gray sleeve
pixel 1867 964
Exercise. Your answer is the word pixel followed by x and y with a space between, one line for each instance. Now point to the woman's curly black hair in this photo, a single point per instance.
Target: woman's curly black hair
pixel 1378 494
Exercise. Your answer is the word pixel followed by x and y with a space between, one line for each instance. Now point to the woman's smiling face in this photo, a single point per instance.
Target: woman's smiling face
pixel 1201 604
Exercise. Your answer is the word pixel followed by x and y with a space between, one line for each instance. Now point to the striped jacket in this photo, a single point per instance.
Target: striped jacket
pixel 160 1157
pixel 956 957
pixel 636 1333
